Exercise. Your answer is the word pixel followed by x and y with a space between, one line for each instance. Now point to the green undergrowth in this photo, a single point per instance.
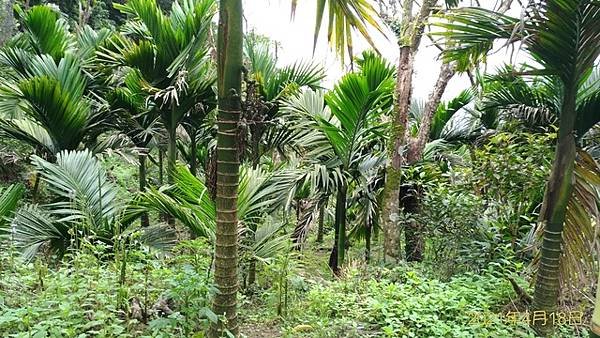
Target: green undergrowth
pixel 89 294
pixel 404 303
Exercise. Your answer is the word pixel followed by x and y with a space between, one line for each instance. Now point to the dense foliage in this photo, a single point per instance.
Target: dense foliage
pixel 162 175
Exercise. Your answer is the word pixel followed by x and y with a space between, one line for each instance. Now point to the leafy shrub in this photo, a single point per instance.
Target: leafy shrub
pixel 481 211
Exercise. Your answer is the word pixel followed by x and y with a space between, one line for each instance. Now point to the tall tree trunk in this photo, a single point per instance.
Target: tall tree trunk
pixel 172 150
pixel 369 229
pixel 409 39
pixel 145 221
pixel 393 175
pixel 557 195
pixel 415 152
pixel 410 197
pixel 336 259
pixel 321 222
pixel 229 67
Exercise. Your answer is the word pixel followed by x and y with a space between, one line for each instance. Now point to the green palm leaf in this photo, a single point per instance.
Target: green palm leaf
pixel 47 31
pixel 343 18
pixel 88 205
pixel 9 198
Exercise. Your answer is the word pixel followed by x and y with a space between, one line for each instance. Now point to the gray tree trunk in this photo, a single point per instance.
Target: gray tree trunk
pixel 7 20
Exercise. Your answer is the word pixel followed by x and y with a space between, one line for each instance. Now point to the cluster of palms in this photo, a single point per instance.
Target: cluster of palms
pixel 256 141
pixel 149 88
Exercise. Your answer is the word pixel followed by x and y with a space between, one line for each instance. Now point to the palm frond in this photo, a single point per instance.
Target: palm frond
pixel 268 242
pixel 47 31
pixel 79 179
pixel 468 34
pixel 34 227
pixel 562 36
pixel 588 113
pixel 9 198
pixel 29 132
pixel 343 18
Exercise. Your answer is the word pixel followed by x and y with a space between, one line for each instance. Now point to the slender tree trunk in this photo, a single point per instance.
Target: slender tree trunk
pixel 557 195
pixel 410 197
pixel 321 222
pixel 171 160
pixel 172 151
pixel 336 259
pixel 193 150
pixel 36 188
pixel 160 167
pixel 145 221
pixel 368 228
pixel 252 272
pixel 229 66
pixel 252 263
pixel 416 148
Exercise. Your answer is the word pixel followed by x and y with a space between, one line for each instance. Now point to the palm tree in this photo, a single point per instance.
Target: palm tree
pixel 533 103
pixel 349 131
pixel 171 54
pixel 266 87
pixel 229 82
pixel 87 208
pixel 50 101
pixel 345 15
pixel 561 36
pixel 137 120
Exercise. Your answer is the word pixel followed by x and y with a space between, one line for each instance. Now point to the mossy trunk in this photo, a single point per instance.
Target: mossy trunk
pixel 391 191
pixel 145 221
pixel 229 67
pixel 558 192
pixel 7 20
pixel 409 38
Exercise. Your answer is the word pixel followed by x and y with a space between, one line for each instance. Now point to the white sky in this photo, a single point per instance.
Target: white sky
pixel 272 18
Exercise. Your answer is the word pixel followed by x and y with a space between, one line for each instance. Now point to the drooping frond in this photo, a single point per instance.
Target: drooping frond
pixel 343 18
pixel 468 34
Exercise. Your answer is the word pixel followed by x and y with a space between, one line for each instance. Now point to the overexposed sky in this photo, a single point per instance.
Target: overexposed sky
pixel 272 18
